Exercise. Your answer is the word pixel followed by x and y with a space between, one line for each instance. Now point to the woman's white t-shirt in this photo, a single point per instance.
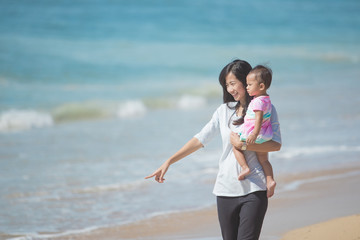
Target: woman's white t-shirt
pixel 227 183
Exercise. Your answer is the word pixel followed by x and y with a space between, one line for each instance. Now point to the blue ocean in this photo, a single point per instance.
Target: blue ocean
pixel 95 95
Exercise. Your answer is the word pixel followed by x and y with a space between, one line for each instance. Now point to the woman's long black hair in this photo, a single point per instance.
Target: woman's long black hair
pixel 240 69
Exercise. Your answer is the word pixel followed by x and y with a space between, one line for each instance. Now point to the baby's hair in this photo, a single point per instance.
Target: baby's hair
pixel 262 75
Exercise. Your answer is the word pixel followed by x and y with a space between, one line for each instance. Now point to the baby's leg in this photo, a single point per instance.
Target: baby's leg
pixel 245 170
pixel 266 165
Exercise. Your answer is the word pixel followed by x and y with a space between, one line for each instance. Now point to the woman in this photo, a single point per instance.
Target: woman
pixel 241 204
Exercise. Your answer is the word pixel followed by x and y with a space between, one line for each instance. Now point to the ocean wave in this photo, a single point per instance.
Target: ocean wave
pixel 34 236
pixel 17 120
pixel 112 187
pixel 82 111
pixel 136 108
pixel 297 183
pixel 300 151
pixel 61 195
pixel 128 109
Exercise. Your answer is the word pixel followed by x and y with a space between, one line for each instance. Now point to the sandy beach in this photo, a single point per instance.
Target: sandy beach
pixel 310 208
pixel 336 229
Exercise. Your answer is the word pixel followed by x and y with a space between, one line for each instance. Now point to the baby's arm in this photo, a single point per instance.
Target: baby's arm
pixel 258 121
pixel 269 146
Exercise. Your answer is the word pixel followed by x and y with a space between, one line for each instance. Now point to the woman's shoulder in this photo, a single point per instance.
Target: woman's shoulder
pixel 273 109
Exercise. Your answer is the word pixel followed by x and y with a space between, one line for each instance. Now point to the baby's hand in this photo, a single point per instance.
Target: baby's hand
pixel 251 139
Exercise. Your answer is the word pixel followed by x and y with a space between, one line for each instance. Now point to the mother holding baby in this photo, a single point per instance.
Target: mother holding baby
pixel 241 204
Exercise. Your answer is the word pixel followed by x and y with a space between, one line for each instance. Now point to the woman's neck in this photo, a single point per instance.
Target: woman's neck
pixel 242 104
pixel 240 109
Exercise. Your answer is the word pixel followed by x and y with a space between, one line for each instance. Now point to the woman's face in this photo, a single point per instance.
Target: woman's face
pixel 235 88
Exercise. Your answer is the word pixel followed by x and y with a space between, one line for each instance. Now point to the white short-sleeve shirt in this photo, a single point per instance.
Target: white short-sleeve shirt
pixel 227 183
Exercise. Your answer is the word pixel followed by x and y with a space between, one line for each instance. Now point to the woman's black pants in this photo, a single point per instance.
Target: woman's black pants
pixel 241 218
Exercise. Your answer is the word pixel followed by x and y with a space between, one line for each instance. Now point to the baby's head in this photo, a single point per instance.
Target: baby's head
pixel 262 75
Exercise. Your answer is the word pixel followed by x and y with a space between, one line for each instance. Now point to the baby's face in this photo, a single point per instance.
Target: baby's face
pixel 254 88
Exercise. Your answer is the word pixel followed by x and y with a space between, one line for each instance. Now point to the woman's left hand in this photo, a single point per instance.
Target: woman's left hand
pixel 235 140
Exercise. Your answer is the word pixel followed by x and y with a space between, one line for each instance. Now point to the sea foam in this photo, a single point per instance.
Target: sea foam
pixel 17 120
pixel 128 109
pixel 136 185
pixel 297 183
pixel 293 152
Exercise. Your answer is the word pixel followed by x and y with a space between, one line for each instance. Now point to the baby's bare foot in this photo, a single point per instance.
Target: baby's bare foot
pixel 270 188
pixel 244 172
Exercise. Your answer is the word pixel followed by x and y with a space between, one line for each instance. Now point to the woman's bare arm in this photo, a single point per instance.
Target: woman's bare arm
pixel 191 146
pixel 269 146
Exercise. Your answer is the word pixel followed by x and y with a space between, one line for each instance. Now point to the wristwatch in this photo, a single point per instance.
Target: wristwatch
pixel 243 147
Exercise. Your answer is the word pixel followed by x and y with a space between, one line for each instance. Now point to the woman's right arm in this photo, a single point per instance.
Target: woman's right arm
pixel 191 146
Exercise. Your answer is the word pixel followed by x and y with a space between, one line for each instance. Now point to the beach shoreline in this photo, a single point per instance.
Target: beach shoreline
pixel 308 198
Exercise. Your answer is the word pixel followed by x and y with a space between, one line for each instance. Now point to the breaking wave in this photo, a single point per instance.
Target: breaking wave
pixel 19 120
pixel 130 109
pixel 291 153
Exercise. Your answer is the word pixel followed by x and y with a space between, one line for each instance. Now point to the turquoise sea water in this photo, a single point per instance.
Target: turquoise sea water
pixel 94 95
